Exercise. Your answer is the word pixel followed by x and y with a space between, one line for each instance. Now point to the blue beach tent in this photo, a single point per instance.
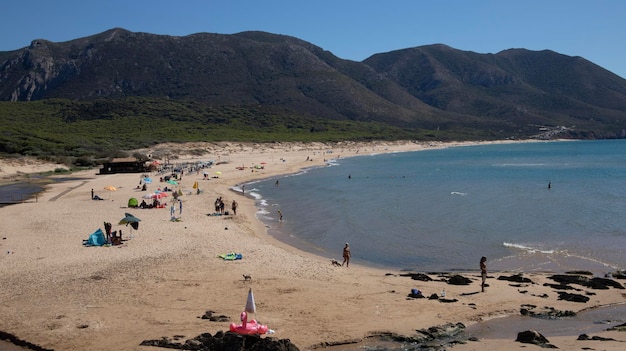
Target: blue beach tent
pixel 96 239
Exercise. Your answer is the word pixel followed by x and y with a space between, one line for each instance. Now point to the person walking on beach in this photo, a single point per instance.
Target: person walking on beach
pixel 483 272
pixel 234 207
pixel 280 216
pixel 346 255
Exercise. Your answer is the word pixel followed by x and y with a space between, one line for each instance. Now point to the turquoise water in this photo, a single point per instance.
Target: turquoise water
pixel 552 206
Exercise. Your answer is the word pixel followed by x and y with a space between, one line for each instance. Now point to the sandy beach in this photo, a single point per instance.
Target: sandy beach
pixel 61 295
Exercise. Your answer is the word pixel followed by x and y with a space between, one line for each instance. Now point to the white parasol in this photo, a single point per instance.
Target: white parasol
pixel 250 306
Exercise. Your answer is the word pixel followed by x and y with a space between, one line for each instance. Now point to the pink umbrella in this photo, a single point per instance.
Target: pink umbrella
pixel 159 195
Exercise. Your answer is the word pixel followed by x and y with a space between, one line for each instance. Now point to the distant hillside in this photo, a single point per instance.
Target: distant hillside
pixel 515 93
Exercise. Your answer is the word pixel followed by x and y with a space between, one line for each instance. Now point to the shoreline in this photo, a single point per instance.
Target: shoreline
pixel 158 283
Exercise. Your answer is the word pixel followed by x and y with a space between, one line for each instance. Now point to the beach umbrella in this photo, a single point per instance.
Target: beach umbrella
pixel 158 195
pixel 250 305
pixel 195 185
pixel 129 218
pixel 110 188
pixel 132 220
pixel 147 180
pixel 173 182
pixel 148 196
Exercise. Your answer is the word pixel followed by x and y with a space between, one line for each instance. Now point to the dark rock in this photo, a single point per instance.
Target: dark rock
pixel 417 276
pixel 416 296
pixel 437 332
pixel 534 337
pixel 19 342
pixel 434 338
pixel 209 315
pixel 572 297
pixel 515 278
pixel 227 341
pixel 560 286
pixel 621 327
pixel 459 280
pixel 593 283
pixel 543 296
pixel 580 273
pixel 546 312
pixel 604 283
pixel 448 300
pixel 598 338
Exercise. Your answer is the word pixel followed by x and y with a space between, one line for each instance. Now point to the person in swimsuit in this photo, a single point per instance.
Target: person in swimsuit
pixel 483 272
pixel 346 255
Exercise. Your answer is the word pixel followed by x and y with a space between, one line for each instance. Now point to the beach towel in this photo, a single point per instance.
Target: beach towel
pixel 231 256
pixel 95 239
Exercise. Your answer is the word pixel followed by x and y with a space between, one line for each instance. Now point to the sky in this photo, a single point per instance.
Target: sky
pixel 350 29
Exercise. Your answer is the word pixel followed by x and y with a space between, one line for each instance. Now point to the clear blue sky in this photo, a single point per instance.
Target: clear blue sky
pixel 350 29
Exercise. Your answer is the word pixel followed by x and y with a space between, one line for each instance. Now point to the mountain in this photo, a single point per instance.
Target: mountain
pixel 514 93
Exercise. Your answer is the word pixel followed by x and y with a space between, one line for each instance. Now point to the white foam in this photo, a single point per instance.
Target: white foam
pixel 527 248
pixel 520 164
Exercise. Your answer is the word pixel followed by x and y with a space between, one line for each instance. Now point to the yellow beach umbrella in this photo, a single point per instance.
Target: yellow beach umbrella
pixel 110 188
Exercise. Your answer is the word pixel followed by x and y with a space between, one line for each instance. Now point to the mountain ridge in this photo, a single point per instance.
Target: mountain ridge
pixel 514 92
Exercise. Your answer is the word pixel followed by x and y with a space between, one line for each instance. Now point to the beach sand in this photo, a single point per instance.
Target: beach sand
pixel 61 295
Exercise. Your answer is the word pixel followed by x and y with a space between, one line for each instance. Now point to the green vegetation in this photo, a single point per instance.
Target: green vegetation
pixel 79 132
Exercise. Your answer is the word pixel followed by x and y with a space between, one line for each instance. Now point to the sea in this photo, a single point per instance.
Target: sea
pixel 527 206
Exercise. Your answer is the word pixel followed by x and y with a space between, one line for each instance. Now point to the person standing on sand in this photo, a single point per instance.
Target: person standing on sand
pixel 234 207
pixel 346 255
pixel 483 272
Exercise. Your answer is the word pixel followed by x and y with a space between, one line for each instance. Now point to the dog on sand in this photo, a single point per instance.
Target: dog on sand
pixel 247 277
pixel 334 262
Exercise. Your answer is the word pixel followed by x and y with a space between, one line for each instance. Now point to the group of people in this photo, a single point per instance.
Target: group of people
pixel 154 204
pixel 112 237
pixel 220 206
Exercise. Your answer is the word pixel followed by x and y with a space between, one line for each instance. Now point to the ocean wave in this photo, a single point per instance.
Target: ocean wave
pixel 527 248
pixel 562 259
pixel 520 164
pixel 457 193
